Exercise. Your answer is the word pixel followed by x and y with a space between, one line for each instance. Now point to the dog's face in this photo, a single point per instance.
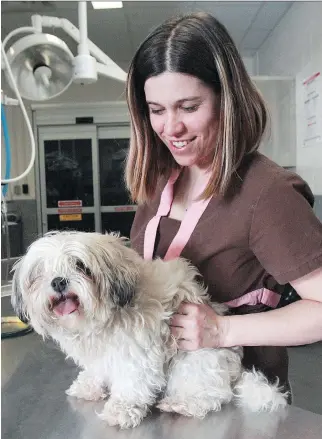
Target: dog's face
pixel 74 280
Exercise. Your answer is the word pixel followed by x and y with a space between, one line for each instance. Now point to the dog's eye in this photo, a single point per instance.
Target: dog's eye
pixel 80 266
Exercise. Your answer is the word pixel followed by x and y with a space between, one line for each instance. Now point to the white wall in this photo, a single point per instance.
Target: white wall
pixel 294 48
pixel 250 64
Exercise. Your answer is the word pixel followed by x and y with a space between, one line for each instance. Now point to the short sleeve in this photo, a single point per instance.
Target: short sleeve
pixel 285 234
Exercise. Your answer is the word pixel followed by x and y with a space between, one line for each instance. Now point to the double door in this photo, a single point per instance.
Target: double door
pixel 82 179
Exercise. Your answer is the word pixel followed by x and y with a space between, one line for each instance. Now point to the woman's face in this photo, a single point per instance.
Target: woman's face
pixel 183 113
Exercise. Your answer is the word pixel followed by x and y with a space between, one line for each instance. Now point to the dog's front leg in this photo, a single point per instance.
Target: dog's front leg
pixel 128 406
pixel 88 386
pixel 133 390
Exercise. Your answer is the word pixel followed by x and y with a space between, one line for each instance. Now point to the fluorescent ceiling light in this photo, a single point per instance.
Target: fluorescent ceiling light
pixel 107 5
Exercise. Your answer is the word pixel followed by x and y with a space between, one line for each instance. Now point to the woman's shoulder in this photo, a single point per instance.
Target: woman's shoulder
pixel 260 175
pixel 257 166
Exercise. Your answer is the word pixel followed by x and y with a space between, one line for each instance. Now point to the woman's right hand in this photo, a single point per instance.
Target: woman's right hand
pixel 198 326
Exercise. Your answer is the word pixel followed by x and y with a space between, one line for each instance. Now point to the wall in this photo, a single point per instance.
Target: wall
pixel 292 51
pixel 279 141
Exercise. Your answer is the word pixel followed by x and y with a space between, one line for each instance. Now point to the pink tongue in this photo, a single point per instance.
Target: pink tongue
pixel 66 307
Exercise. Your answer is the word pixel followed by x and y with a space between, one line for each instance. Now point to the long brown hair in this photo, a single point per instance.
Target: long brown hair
pixel 199 45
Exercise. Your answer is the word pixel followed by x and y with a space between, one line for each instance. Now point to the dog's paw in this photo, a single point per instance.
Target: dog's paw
pixel 189 407
pixel 117 412
pixel 89 390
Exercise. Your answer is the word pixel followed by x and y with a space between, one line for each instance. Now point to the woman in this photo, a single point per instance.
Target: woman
pixel 206 194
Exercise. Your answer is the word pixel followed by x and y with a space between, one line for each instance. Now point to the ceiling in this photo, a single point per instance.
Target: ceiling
pixel 118 32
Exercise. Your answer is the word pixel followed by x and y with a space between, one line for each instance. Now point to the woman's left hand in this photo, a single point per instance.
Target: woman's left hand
pixel 196 327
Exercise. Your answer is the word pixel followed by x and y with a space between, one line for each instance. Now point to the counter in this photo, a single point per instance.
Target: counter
pixel 35 375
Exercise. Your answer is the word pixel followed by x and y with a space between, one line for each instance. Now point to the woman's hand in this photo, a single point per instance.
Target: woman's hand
pixel 197 327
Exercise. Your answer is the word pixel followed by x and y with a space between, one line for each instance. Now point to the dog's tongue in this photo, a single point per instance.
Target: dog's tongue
pixel 66 307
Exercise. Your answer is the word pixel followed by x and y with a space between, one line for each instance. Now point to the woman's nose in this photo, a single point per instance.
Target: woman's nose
pixel 173 126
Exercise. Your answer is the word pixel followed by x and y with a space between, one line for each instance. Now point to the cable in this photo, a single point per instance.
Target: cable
pixel 7 148
pixel 5 227
pixel 23 109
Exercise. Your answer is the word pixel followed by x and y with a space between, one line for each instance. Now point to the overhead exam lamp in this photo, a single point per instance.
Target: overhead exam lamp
pixel 44 67
pixel 40 66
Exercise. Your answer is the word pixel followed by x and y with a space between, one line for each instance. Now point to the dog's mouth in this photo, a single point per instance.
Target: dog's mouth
pixel 65 304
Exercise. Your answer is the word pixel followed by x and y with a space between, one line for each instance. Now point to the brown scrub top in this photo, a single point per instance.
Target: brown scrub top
pixel 262 234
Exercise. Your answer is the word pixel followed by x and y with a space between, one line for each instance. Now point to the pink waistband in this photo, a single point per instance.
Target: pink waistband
pixel 262 295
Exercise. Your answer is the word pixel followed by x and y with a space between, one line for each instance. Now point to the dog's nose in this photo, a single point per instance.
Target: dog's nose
pixel 59 284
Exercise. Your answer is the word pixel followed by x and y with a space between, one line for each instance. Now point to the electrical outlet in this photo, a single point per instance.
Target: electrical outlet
pixel 17 189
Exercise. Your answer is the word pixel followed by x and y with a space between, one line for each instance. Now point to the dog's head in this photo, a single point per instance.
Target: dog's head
pixel 74 280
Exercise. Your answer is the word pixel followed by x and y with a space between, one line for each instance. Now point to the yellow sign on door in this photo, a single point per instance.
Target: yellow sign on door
pixel 72 217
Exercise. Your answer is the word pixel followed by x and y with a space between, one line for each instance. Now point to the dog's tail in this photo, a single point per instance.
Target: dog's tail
pixel 254 392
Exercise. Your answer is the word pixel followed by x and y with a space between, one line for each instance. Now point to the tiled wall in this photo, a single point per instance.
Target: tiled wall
pixel 292 51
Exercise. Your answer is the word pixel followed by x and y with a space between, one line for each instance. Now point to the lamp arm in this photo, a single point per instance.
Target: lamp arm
pixel 111 71
pixel 75 34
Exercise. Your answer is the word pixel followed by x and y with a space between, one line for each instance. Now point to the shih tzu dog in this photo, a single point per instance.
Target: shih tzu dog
pixel 109 310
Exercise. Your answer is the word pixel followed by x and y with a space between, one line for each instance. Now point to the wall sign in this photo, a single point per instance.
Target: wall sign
pixel 312 109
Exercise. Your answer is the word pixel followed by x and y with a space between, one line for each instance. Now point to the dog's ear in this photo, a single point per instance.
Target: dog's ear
pixel 121 269
pixel 122 288
pixel 17 301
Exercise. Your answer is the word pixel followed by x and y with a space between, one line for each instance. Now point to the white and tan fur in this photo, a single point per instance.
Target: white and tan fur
pixel 119 332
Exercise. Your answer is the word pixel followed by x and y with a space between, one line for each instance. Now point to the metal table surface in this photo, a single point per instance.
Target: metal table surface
pixel 35 375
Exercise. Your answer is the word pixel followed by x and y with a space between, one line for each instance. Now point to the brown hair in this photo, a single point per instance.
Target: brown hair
pixel 195 44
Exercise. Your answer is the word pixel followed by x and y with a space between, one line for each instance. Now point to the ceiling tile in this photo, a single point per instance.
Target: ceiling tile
pixel 111 34
pixel 254 39
pixel 248 52
pixel 232 14
pixel 270 14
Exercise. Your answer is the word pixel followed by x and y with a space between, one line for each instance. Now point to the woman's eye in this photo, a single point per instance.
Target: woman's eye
pixel 191 109
pixel 82 267
pixel 153 111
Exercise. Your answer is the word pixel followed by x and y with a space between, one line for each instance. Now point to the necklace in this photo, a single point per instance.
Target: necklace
pixel 187 191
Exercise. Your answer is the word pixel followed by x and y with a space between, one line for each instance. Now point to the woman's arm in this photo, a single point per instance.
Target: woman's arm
pixel 295 324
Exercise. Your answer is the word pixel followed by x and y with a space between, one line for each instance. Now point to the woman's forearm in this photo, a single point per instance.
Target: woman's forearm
pixel 295 324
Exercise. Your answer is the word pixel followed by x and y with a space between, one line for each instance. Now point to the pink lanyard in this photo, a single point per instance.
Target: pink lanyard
pixel 187 226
